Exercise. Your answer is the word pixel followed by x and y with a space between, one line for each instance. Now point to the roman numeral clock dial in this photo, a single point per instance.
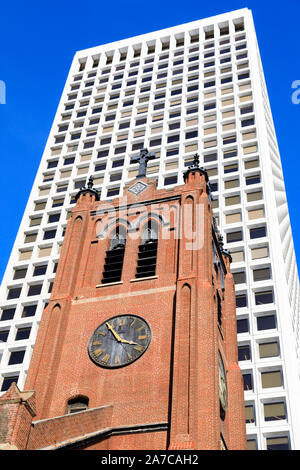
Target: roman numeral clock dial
pixel 119 341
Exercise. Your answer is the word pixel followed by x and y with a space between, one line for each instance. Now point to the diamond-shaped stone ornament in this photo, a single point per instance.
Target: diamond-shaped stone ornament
pixel 137 188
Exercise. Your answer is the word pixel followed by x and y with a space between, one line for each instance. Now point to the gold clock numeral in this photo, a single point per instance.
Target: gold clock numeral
pixel 131 324
pixel 98 352
pixel 105 359
pixel 117 360
pixel 102 333
pixel 97 343
pixel 129 356
pixel 143 337
pixel 140 328
pixel 138 347
pixel 122 322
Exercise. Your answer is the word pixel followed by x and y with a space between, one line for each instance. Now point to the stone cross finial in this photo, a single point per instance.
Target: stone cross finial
pixel 143 159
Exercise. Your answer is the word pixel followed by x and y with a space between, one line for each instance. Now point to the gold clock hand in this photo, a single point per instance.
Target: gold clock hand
pixel 118 338
pixel 127 342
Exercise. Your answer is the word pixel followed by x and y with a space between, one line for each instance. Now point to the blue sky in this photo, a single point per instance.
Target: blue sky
pixel 38 41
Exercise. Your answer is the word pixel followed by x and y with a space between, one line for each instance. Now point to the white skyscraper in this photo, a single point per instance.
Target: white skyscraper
pixel 193 88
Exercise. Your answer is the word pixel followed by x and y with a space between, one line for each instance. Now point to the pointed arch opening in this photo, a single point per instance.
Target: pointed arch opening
pixel 114 258
pixel 147 255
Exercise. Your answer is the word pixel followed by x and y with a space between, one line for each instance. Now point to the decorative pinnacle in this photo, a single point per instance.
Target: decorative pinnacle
pixel 89 188
pixel 195 166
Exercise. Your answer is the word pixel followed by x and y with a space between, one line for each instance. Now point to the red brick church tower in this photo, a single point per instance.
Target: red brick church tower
pixel 137 348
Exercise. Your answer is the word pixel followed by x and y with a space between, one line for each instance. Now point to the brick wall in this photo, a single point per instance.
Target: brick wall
pixel 52 432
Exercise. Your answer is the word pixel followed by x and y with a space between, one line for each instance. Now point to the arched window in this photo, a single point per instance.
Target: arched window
pixel 115 257
pixel 147 255
pixel 77 404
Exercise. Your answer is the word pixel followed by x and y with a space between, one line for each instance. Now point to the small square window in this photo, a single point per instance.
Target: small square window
pixel 265 297
pixel 257 232
pixel 248 382
pixel 278 443
pixel 23 333
pixel 251 443
pixel 7 381
pixel 155 142
pixel 170 180
pixel 57 202
pixel 29 311
pixel 100 167
pixel 233 237
pixel 14 293
pixel 231 168
pixel 261 274
pixel 3 335
pixel 271 379
pixel 40 270
pixel 250 414
pixel 191 135
pixel 35 289
pixel 117 163
pixel 103 153
pixel 48 234
pixel 210 158
pixel 244 353
pixel 16 357
pixel 230 153
pixel 53 218
pixel 113 192
pixel 266 322
pixel 52 164
pixel 8 314
pixel 252 179
pixel 124 125
pixel 69 161
pixel 241 300
pixel 20 273
pixel 274 411
pixel 174 115
pixel 240 277
pixel 242 325
pixel 171 152
pixel 270 349
pixel 173 138
pixel 115 177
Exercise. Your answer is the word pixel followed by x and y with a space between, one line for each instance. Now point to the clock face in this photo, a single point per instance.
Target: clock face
pixel 222 385
pixel 119 341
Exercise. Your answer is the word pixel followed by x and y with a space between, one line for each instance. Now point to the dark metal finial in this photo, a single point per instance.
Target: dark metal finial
pixel 195 163
pixel 196 160
pixel 220 240
pixel 90 182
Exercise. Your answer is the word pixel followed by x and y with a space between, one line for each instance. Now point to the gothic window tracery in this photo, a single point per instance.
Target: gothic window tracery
pixel 147 255
pixel 115 256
